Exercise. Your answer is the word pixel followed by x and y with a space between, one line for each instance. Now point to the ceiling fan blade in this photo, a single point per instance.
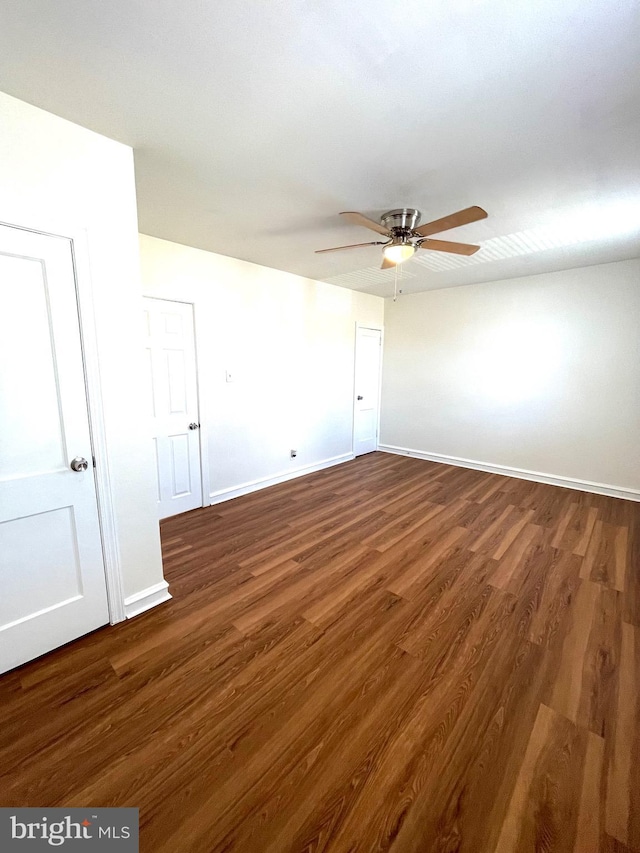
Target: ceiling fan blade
pixel 360 219
pixel 351 246
pixel 462 217
pixel 447 246
pixel 386 264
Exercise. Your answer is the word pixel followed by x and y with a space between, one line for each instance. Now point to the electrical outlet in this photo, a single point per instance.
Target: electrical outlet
pixel 294 453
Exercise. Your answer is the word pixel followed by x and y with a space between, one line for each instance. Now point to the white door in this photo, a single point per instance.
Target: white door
pixel 52 581
pixel 367 390
pixel 173 404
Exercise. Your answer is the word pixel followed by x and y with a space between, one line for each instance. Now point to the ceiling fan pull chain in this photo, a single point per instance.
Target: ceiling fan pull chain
pixel 395 283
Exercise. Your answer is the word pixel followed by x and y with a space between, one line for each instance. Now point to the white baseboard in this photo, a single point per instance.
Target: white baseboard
pixel 521 473
pixel 254 485
pixel 146 599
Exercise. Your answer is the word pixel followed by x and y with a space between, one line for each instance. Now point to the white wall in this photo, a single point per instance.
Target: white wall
pixel 539 373
pixel 289 343
pixel 57 176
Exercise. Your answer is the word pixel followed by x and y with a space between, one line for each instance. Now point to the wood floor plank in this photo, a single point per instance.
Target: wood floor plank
pixel 391 654
pixel 577 533
pixel 488 490
pixel 467 799
pixel 443 611
pixel 400 526
pixel 632 579
pixel 612 845
pixel 545 806
pixel 402 584
pixel 591 809
pixel 269 760
pixel 585 684
pixel 544 585
pixel 605 559
pixel 511 560
pixel 306 581
pixel 499 536
pixel 340 758
pixel 623 783
pixel 404 774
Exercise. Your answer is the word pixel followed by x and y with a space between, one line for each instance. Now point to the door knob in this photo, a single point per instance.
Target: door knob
pixel 79 463
pixel 360 397
pixel 194 426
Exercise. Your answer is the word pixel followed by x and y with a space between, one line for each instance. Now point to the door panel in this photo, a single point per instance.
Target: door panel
pixel 51 568
pixel 176 382
pixel 180 467
pixel 367 390
pixel 173 404
pixel 25 338
pixel 35 578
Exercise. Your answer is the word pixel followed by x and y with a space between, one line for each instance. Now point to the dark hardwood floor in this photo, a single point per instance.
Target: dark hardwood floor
pixel 386 655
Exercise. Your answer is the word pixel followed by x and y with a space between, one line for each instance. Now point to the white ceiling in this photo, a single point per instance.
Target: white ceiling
pixel 255 123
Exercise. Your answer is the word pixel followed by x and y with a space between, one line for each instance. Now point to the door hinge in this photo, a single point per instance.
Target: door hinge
pixel 93 459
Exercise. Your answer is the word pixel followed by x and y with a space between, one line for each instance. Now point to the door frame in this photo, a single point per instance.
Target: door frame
pixel 373 328
pixel 204 445
pixel 78 237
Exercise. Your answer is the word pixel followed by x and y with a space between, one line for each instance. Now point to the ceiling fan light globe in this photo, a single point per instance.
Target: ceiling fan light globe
pixel 398 252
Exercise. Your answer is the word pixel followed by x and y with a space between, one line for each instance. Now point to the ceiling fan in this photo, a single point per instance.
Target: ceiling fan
pixel 405 236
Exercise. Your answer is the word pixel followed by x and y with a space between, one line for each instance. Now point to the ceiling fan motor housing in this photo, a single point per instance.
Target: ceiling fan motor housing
pixel 402 221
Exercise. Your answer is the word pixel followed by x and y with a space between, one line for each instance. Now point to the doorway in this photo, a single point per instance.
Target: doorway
pixel 173 404
pixel 52 571
pixel 366 406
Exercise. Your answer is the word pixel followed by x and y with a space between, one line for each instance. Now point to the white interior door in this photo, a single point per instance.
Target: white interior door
pixel 367 390
pixel 52 581
pixel 173 404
